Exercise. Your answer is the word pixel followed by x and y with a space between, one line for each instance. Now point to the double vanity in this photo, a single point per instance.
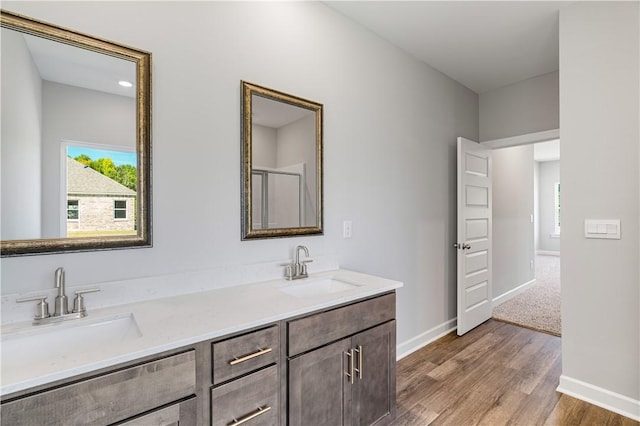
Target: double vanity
pixel 309 351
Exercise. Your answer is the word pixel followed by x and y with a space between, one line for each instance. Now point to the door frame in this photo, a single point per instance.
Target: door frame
pixel 526 139
pixel 519 140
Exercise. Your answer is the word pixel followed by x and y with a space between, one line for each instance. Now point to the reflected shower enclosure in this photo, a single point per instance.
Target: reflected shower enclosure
pixel 281 164
pixel 288 189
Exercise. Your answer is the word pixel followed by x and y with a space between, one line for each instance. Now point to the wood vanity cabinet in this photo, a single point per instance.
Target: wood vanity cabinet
pixel 331 367
pixel 339 374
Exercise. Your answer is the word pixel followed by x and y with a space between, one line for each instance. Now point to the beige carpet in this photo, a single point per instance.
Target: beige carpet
pixel 538 307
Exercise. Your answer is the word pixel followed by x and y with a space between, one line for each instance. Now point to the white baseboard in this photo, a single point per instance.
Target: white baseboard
pixel 512 293
pixel 422 340
pixel 604 398
pixel 548 252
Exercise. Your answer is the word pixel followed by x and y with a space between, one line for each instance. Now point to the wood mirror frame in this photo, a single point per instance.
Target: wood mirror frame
pixel 310 200
pixel 142 62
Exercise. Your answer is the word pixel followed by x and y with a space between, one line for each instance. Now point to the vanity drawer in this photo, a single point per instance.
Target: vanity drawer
pixel 316 330
pixel 252 399
pixel 243 354
pixel 109 398
pixel 182 414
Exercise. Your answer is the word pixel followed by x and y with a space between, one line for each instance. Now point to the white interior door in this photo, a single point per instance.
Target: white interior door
pixel 474 235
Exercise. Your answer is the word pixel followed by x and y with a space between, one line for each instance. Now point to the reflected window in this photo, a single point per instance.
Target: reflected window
pixel 102 180
pixel 72 209
pixel 120 209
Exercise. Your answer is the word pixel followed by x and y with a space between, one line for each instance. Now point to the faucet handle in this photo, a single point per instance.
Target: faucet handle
pixel 78 301
pixel 42 308
pixel 288 270
pixel 303 267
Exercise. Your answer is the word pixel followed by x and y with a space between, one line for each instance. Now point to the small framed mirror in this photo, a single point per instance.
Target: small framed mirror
pixel 76 141
pixel 281 164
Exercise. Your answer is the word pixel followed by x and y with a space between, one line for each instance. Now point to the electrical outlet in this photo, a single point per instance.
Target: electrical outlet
pixel 531 265
pixel 346 229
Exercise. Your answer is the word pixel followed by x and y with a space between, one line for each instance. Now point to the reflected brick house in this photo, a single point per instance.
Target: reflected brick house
pixel 96 202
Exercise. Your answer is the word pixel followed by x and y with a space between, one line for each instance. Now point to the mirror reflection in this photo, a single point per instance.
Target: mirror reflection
pixel 283 192
pixel 75 141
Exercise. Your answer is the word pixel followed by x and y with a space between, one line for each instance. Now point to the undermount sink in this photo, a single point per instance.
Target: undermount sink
pixel 48 342
pixel 317 287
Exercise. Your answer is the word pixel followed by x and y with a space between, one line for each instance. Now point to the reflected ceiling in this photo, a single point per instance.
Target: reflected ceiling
pixel 65 64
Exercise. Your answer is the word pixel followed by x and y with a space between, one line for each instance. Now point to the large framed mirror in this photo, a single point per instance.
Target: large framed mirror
pixel 281 164
pixel 76 141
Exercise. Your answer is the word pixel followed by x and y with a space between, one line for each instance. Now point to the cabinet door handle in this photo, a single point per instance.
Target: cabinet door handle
pixel 244 419
pixel 359 369
pixel 250 356
pixel 350 374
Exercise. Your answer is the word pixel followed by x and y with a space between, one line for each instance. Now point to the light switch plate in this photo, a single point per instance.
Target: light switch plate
pixel 346 229
pixel 602 228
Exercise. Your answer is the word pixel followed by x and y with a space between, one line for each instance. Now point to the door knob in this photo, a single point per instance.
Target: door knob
pixel 466 246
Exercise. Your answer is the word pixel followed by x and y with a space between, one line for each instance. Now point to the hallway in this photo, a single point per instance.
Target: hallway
pixel 538 307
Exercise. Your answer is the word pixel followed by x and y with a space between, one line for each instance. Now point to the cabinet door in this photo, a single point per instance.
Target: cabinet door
pixel 374 388
pixel 319 392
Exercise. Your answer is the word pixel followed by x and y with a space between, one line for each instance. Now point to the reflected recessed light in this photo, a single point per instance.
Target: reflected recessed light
pixel 124 83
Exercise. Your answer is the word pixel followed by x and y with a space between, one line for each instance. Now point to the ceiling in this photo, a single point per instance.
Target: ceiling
pixel 483 45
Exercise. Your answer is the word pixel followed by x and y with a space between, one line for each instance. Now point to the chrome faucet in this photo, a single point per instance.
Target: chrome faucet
pixel 297 269
pixel 61 312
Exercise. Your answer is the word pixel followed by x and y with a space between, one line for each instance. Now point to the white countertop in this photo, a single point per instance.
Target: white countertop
pixel 177 321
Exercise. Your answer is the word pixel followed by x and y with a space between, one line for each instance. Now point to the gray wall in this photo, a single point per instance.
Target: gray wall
pixel 513 239
pixel 525 107
pixel 390 125
pixel 549 174
pixel 21 153
pixel 600 122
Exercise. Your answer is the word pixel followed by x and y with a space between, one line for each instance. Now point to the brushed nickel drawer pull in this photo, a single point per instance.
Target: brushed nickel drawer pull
pixel 359 369
pixel 250 356
pixel 350 374
pixel 244 419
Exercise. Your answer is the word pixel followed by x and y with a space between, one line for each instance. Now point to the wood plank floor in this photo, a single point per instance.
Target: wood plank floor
pixel 497 374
